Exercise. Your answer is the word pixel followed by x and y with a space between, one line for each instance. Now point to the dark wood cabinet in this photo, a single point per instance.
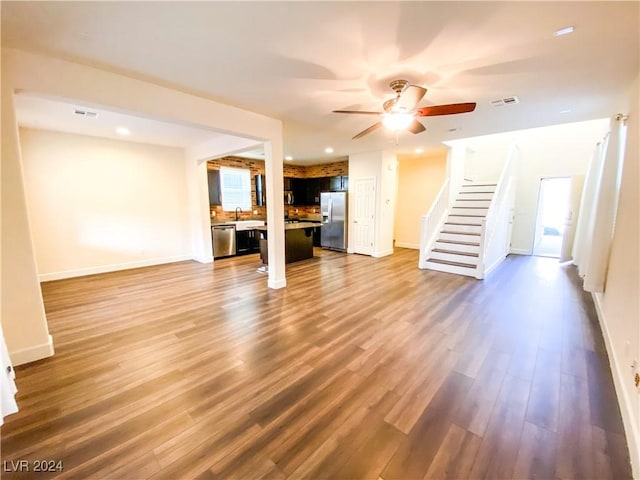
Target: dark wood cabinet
pixel 247 241
pixel 213 177
pixel 299 190
pixel 306 191
pixel 315 187
pixel 339 183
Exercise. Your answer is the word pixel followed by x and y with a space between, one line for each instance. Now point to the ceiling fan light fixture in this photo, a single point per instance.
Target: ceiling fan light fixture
pixel 397 121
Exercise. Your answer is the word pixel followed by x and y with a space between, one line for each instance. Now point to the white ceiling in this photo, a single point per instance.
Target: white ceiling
pixel 298 61
pixel 60 115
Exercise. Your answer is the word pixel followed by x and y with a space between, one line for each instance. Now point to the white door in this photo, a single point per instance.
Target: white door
pixel 364 190
pixel 577 183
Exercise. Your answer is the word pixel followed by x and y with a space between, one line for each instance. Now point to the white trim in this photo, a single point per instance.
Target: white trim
pixel 81 272
pixel 520 251
pixel 494 265
pixel 620 376
pixel 415 246
pixel 31 354
pixel 205 259
pixel 277 284
pixel 382 253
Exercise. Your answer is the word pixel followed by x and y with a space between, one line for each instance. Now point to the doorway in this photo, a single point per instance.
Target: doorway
pixel 552 217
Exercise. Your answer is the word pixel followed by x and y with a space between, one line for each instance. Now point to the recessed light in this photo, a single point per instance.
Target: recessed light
pixel 451 130
pixel 419 150
pixel 563 31
pixel 288 158
pixel 565 111
pixel 123 131
pixel 328 150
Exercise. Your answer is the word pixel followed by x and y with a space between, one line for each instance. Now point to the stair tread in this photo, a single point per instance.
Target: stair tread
pixel 480 185
pixel 455 264
pixel 466 254
pixel 475 200
pixel 457 242
pixel 460 233
pixel 465 224
pixel 480 208
pixel 475 216
pixel 472 193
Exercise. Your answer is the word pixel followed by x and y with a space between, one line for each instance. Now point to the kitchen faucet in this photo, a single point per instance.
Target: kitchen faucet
pixel 238 209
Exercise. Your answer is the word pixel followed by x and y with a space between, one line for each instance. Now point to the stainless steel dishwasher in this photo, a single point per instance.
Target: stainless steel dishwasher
pixel 224 240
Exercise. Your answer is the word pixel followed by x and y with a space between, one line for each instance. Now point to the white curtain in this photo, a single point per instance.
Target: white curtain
pixel 7 385
pixel 584 226
pixel 600 199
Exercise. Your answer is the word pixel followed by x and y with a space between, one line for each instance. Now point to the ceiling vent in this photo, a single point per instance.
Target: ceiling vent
pixel 501 102
pixel 85 113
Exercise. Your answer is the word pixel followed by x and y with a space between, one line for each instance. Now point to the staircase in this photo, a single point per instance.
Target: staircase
pixel 457 246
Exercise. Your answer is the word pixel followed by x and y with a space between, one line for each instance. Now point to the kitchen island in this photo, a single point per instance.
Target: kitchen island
pixel 298 241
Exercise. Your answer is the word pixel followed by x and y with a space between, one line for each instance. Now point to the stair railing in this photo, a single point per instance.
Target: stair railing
pixel 495 229
pixel 431 222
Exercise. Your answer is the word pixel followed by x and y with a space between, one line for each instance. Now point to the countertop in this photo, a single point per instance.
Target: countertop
pixel 293 226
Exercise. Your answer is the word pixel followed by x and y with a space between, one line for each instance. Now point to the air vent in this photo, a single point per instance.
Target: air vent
pixel 505 101
pixel 85 113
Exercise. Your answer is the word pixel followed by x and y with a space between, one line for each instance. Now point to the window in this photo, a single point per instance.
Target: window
pixel 235 187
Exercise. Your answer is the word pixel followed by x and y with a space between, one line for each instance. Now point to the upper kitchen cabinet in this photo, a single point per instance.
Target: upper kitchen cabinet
pixel 299 190
pixel 315 186
pixel 213 177
pixel 261 192
pixel 339 183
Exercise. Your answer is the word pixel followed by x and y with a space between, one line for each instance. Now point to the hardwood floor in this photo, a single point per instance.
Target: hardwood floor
pixel 360 368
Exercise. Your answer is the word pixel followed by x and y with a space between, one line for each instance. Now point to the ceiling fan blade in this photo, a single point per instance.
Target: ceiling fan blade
pixel 368 130
pixel 410 97
pixel 416 127
pixel 356 111
pixel 445 109
pixel 389 104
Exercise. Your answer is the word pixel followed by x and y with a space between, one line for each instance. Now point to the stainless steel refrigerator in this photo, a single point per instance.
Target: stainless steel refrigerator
pixel 333 234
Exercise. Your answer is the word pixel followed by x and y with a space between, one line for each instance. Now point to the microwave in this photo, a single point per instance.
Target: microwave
pixel 288 197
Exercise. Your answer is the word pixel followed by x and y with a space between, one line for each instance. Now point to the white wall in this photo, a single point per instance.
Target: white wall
pixel 386 208
pixel 99 205
pixel 23 318
pixel 619 305
pixel 382 166
pixel 563 150
pixel 484 160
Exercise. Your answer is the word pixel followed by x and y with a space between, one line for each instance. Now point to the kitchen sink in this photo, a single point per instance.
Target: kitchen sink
pixel 247 224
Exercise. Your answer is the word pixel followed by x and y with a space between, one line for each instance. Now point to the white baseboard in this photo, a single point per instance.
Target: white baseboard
pixel 520 251
pixel 81 272
pixel 31 354
pixel 494 265
pixel 207 259
pixel 414 246
pixel 382 253
pixel 276 284
pixel 621 375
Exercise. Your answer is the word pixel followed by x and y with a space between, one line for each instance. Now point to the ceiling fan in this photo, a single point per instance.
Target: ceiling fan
pixel 400 112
